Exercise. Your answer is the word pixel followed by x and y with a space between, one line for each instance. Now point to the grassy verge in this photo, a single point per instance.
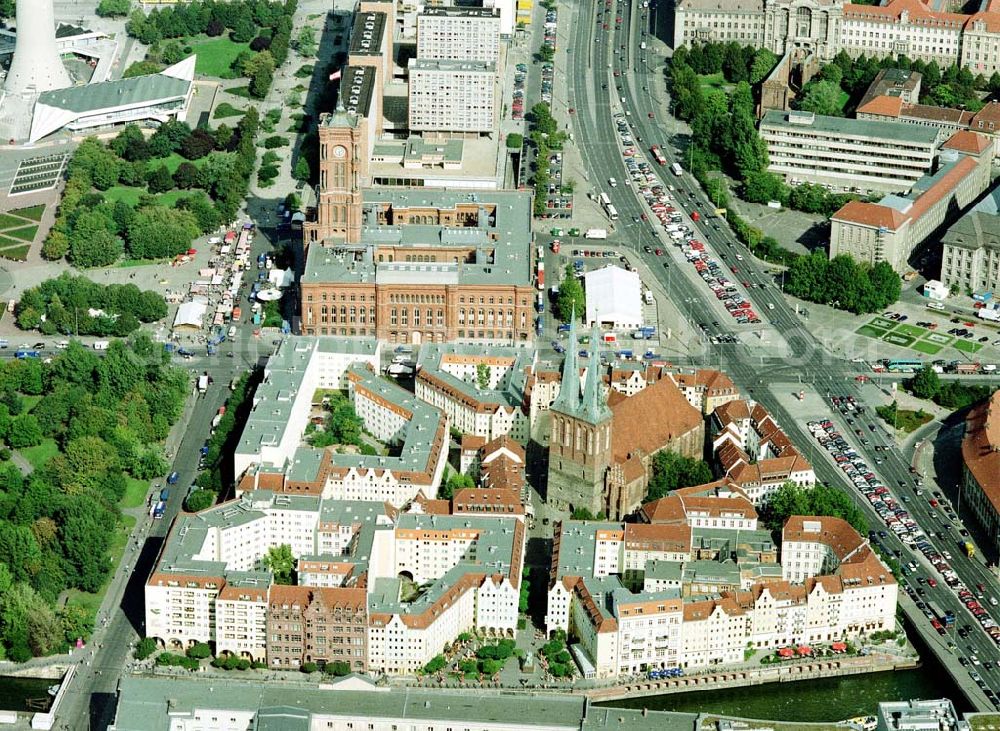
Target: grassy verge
pixel 216 55
pixel 131 195
pixel 911 330
pixel 870 332
pixel 967 346
pixel 922 346
pixel 8 221
pixel 25 233
pixel 41 454
pixel 92 601
pixel 135 493
pixel 16 253
pixel 903 419
pixel 32 212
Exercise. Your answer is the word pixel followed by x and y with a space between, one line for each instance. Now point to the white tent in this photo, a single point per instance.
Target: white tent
pixel 614 298
pixel 190 315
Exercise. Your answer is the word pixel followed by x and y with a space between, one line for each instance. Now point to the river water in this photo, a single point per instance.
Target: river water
pixel 15 692
pixel 828 699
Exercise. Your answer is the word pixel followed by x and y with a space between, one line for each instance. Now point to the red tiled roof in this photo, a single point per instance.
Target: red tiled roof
pixel 967 141
pixel 981 447
pixel 870 214
pixel 651 419
pixel 885 106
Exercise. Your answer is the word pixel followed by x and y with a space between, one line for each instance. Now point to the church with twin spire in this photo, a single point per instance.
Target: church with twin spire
pixel 600 453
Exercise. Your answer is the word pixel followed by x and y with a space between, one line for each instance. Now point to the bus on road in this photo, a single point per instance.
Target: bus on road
pixel 904 365
pixel 658 154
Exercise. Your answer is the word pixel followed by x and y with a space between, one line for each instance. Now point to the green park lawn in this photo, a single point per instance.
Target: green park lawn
pixel 910 330
pixel 174 161
pixel 900 339
pixel 8 221
pixel 216 55
pixel 135 493
pixel 131 195
pixel 870 332
pixel 967 346
pixel 711 82
pixel 25 233
pixel 31 212
pixel 922 346
pixel 882 323
pixel 15 253
pixel 41 454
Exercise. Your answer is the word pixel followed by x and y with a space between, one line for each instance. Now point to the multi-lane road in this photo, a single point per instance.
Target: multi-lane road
pixel 609 73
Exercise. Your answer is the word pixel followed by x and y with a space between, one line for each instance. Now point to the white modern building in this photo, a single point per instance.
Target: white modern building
pixel 627 625
pixel 211 584
pixel 459 33
pixel 847 154
pixel 153 98
pixel 448 377
pixel 283 402
pixel 448 96
pixel 614 298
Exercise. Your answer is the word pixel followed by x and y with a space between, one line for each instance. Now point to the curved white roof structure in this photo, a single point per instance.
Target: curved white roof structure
pixel 614 298
pixel 160 97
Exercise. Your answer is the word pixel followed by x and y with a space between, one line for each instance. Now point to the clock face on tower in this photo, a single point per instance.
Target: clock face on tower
pixel 339 151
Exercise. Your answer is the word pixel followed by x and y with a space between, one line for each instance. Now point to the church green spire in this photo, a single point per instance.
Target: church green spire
pixel 595 407
pixel 568 400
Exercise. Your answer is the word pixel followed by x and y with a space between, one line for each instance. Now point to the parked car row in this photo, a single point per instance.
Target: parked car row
pixel 899 521
pixel 725 291
pixel 517 104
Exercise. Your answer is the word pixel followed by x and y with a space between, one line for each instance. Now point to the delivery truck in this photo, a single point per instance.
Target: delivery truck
pixel 595 233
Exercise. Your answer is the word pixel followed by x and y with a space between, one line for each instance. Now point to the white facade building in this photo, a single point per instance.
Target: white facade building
pixel 459 34
pixel 453 96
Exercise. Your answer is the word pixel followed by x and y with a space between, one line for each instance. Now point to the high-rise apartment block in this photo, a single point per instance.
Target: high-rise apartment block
pixel 453 96
pixel 460 34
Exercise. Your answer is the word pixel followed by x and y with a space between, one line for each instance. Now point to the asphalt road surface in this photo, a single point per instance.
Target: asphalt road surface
pixel 598 94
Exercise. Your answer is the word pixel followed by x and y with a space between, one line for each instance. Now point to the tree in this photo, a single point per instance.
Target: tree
pixel 56 245
pixel 160 180
pixel 93 245
pixel 686 92
pixel 280 562
pixel 456 481
pixel 337 668
pixel 159 232
pixel 144 648
pixel 199 500
pixel 301 171
pixel 199 651
pixel 201 208
pixel 187 175
pixel 142 68
pixel 168 138
pixel 671 471
pixel 515 141
pixel 114 8
pixel 822 97
pixel 925 384
pixel 260 71
pixel 130 144
pixel 762 186
pixel 483 376
pixel 97 162
pixel 305 43
pixel 436 664
pixel 763 63
pixel 571 298
pixel 197 144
